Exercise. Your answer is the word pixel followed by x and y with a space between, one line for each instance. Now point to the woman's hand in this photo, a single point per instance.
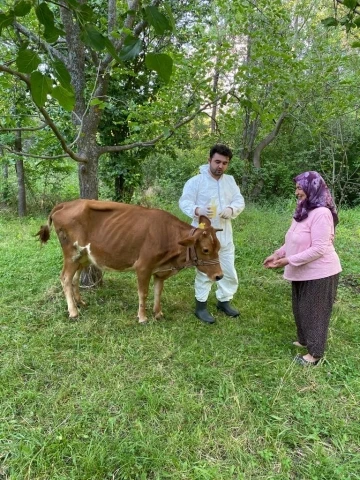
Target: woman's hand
pixel 275 262
pixel 269 261
pixel 279 263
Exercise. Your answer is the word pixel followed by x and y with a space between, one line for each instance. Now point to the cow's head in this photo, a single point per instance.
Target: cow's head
pixel 203 249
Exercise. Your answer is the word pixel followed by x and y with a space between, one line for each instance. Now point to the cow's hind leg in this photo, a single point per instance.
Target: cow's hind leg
pixel 76 289
pixel 158 288
pixel 143 279
pixel 66 277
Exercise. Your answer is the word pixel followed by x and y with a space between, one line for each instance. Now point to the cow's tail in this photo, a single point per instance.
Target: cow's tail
pixel 44 232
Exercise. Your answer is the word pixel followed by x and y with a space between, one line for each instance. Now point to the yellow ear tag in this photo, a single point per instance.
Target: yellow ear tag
pixel 202 225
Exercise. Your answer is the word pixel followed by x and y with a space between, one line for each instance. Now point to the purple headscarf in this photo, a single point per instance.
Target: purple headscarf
pixel 317 193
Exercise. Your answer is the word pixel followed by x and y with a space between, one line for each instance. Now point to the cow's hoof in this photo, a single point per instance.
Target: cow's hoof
pixel 159 316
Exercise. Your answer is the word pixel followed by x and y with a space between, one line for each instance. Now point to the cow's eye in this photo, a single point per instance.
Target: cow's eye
pixel 205 250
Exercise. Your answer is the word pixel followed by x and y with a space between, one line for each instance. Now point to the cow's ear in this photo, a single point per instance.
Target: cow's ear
pixel 204 220
pixel 187 242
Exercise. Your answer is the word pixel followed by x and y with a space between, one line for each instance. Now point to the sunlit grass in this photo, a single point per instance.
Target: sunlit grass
pixel 106 398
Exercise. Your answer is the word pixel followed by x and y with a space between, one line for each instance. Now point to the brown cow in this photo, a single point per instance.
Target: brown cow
pixel 118 236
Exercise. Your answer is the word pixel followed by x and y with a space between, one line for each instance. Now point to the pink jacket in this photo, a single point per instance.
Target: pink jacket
pixel 309 247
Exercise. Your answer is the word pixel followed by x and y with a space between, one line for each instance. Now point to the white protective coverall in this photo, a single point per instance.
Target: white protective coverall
pixel 202 190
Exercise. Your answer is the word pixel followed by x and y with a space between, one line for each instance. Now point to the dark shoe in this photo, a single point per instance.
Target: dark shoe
pixel 202 313
pixel 227 309
pixel 305 363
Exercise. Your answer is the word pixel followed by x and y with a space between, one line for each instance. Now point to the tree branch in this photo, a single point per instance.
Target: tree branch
pixel 44 45
pixel 111 16
pixel 353 9
pixel 267 140
pixel 45 114
pixel 23 129
pixel 22 154
pixel 133 5
pixel 150 143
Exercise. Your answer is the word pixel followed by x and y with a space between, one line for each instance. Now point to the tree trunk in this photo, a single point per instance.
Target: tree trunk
pixel 214 108
pixel 250 129
pixel 5 188
pixel 258 150
pixel 267 140
pixel 20 174
pixel 249 134
pixel 88 179
pixel 119 187
pixel 88 184
pixel 216 77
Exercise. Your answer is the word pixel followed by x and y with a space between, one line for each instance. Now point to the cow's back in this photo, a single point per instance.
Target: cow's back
pixel 117 235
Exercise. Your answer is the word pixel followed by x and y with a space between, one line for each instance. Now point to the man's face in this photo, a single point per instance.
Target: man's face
pixel 218 164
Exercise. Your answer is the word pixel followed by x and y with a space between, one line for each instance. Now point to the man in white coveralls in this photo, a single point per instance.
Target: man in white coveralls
pixel 216 195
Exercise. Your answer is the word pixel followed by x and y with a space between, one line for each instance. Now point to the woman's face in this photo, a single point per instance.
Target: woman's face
pixel 299 193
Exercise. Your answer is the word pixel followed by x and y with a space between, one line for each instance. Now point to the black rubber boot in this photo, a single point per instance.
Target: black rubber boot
pixel 202 313
pixel 227 309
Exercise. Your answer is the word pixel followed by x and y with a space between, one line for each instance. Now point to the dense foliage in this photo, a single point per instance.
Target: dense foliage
pixel 127 89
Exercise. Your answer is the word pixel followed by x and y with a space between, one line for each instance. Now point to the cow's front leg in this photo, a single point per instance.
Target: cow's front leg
pixel 76 289
pixel 66 277
pixel 158 288
pixel 143 279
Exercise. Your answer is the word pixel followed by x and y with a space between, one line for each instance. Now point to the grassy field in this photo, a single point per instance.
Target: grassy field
pixel 105 398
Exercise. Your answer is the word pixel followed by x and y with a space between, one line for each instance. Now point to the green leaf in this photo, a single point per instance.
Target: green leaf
pixel 132 47
pixel 161 63
pixel 345 20
pixel 61 73
pixel 355 44
pixel 357 21
pixel 22 8
pixel 96 101
pixel 41 86
pixel 73 3
pixel 85 13
pixel 65 97
pixel 166 132
pixel 157 20
pixel 52 33
pixel 111 49
pixel 44 15
pixel 329 22
pixel 93 38
pixel 99 103
pixel 6 20
pixel 350 4
pixel 170 17
pixel 27 61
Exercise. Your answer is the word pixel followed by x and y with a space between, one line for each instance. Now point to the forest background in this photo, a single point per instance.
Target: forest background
pixel 114 99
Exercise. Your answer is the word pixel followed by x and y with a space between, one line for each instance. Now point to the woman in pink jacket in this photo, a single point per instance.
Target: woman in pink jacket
pixel 311 264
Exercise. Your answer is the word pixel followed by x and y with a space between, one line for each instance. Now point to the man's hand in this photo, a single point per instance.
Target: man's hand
pixel 206 211
pixel 226 213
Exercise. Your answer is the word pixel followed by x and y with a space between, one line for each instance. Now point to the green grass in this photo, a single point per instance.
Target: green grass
pixel 106 398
